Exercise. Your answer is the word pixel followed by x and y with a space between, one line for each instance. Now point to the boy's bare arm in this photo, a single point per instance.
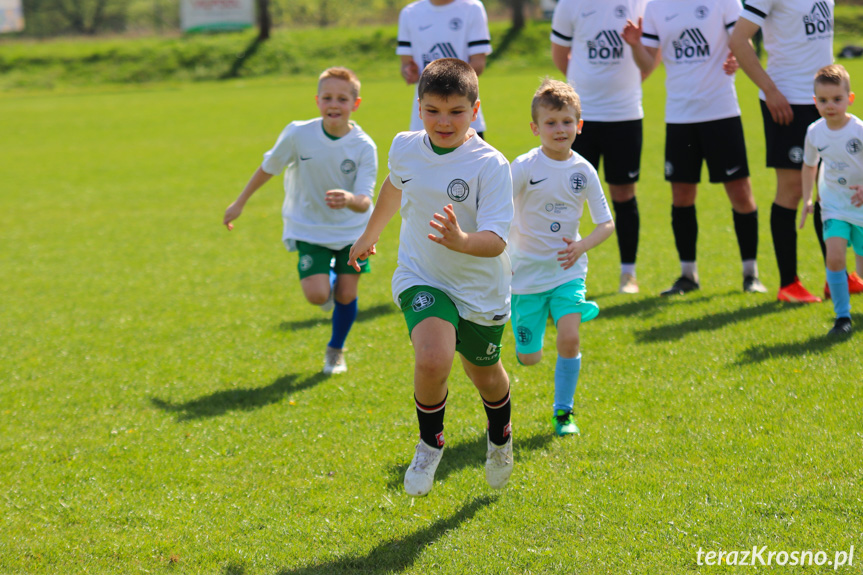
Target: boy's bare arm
pixel 340 199
pixel 575 250
pixel 389 202
pixel 258 179
pixel 482 244
pixel 808 174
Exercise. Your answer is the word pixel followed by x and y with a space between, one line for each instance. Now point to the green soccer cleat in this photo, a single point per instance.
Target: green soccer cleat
pixel 564 423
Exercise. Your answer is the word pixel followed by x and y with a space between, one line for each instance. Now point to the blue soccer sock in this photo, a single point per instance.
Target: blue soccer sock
pixel 344 315
pixel 838 282
pixel 565 380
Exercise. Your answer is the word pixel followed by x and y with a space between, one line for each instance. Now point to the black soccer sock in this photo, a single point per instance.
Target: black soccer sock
pixel 627 226
pixel 746 228
pixel 430 418
pixel 498 413
pixel 783 227
pixel 684 224
pixel 819 229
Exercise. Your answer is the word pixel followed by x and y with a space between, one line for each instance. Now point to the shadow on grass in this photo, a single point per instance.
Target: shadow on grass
pixel 464 455
pixel 363 315
pixel 397 555
pixel 501 47
pixel 241 60
pixel 246 399
pixel 712 322
pixel 813 345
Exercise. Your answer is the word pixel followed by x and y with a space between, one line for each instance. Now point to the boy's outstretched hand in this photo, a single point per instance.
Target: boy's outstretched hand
pixel 361 250
pixel 857 198
pixel 232 213
pixel 570 254
pixel 451 235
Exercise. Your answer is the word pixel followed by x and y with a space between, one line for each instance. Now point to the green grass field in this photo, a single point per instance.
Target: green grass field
pixel 163 411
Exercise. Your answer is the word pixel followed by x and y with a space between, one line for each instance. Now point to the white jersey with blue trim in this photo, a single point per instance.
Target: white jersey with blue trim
pixel 549 197
pixel 841 154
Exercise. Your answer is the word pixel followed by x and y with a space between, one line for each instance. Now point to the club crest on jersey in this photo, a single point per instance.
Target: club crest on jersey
pixel 458 190
pixel 795 154
pixel 819 19
pixel 348 166
pixel 555 227
pixel 549 207
pixel 306 262
pixel 577 181
pixel 422 300
pixel 842 181
pixel 524 335
pixel 854 145
pixel 701 12
pixel 455 24
pixel 620 11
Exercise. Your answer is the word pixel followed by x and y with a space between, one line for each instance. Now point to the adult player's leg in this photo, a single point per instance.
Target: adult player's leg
pixel 683 160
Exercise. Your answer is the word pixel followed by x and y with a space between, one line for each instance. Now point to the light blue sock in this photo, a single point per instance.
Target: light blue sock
pixel 838 282
pixel 565 380
pixel 344 315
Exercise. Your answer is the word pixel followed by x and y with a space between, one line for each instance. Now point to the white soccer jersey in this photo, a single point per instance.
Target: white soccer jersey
pixel 549 199
pixel 475 179
pixel 601 67
pixel 798 37
pixel 455 30
pixel 694 37
pixel 841 153
pixel 315 164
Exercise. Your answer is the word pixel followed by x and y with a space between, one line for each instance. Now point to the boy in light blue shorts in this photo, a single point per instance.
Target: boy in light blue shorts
pixel 837 141
pixel 551 184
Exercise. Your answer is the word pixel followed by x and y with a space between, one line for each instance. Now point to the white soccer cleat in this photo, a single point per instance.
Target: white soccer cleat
pixel 498 463
pixel 334 361
pixel 419 477
pixel 628 283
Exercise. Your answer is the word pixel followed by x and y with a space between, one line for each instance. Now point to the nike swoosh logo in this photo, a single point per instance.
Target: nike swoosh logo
pixel 532 183
pixel 304 159
pixel 404 181
pixel 670 18
pixel 633 174
pixel 425 27
pixel 730 171
pixel 824 148
pixel 586 14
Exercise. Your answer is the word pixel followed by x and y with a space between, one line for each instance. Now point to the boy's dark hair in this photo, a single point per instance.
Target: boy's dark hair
pixel 445 77
pixel 835 75
pixel 555 95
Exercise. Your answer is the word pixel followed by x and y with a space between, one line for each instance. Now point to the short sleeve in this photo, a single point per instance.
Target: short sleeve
pixel 562 26
pixel 650 34
pixel 810 152
pixel 367 171
pixel 730 13
pixel 596 202
pixel 756 10
pixel 519 177
pixel 403 47
pixel 282 153
pixel 394 161
pixel 495 211
pixel 479 39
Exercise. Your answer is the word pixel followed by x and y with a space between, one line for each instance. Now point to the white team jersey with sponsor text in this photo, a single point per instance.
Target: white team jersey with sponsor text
pixel 693 37
pixel 601 67
pixel 456 30
pixel 476 180
pixel 549 199
pixel 841 153
pixel 315 164
pixel 798 37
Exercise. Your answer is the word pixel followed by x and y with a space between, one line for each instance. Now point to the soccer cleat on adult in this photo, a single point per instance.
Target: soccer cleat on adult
pixel 855 285
pixel 498 463
pixel 628 283
pixel 419 478
pixel 682 285
pixel 842 326
pixel 564 423
pixel 751 284
pixel 796 293
pixel 334 361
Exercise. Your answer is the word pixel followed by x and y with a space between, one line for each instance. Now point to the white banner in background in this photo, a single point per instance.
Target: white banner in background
pixel 11 16
pixel 208 15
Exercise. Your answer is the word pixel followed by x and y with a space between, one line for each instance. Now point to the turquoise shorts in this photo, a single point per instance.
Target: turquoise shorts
pixel 530 313
pixel 479 344
pixel 848 232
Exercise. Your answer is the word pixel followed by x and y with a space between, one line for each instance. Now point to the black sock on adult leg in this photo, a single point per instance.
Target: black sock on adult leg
pixel 684 224
pixel 627 225
pixel 746 228
pixel 783 227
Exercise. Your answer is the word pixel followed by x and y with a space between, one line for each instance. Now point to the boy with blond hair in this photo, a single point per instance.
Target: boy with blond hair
pixel 836 140
pixel 452 285
pixel 330 172
pixel 551 185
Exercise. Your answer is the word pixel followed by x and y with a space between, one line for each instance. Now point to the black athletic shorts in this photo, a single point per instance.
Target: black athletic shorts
pixel 720 142
pixel 784 144
pixel 618 143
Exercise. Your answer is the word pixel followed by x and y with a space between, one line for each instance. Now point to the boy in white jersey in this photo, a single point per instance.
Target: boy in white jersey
pixel 586 46
pixel 551 184
pixel 798 38
pixel 702 121
pixel 837 141
pixel 453 286
pixel 432 29
pixel 330 172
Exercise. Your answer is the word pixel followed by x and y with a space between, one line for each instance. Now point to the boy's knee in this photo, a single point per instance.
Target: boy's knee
pixel 569 346
pixel 529 359
pixel 317 298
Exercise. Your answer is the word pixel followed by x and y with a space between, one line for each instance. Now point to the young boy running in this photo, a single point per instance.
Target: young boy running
pixel 452 284
pixel 837 141
pixel 330 172
pixel 702 122
pixel 551 184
